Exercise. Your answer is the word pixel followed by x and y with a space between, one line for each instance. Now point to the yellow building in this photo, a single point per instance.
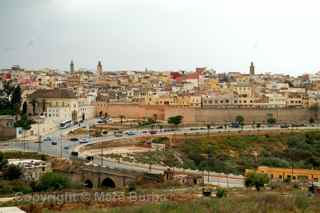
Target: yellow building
pixel 293 174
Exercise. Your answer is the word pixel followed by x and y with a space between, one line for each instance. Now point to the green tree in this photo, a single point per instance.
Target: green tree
pixel 24 122
pixel 175 120
pixel 24 108
pixel 16 99
pixel 221 193
pixel 271 121
pixel 257 180
pixel 3 161
pixel 311 120
pixel 240 120
pixel 12 172
pixel 53 181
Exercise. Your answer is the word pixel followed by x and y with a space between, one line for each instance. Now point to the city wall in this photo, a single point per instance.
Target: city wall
pixel 192 115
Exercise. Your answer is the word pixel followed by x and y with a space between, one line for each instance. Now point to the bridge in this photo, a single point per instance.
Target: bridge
pixel 92 176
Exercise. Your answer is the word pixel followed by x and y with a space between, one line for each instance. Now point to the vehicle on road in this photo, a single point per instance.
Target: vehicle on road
pixel 284 126
pixel 219 127
pixel 89 158
pixel 66 147
pixel 144 132
pixel 130 133
pixel 194 129
pixel 297 125
pixel 54 143
pixel 47 139
pixel 108 120
pixel 74 139
pixel 65 124
pixel 153 132
pixel 235 125
pixel 118 134
pixel 84 140
pixel 100 121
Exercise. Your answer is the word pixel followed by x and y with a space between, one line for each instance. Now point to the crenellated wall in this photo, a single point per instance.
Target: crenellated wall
pixel 192 115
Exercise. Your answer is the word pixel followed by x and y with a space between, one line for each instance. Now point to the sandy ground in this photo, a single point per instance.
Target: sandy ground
pixel 117 150
pixel 6 199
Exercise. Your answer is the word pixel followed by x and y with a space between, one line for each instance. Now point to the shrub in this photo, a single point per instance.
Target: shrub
pixel 53 181
pixel 221 193
pixel 257 180
pixel 301 202
pixel 12 172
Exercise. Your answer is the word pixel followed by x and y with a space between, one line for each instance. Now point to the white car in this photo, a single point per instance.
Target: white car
pixel 83 140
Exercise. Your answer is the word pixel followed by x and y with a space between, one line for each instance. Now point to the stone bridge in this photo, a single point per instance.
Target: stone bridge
pixel 96 176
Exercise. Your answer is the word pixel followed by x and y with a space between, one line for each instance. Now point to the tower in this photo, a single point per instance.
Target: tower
pixel 252 72
pixel 71 66
pixel 99 68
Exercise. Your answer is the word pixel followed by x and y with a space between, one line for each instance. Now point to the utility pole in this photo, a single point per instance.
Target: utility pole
pixel 24 140
pixel 60 146
pixel 39 139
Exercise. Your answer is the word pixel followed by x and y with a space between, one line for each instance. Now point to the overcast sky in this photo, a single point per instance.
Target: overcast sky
pixel 280 36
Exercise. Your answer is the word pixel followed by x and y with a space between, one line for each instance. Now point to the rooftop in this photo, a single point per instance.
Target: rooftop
pixel 53 93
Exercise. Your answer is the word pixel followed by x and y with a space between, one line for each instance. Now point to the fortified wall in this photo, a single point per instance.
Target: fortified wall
pixel 192 115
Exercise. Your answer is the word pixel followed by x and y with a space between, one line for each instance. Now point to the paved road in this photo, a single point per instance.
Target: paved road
pixel 64 148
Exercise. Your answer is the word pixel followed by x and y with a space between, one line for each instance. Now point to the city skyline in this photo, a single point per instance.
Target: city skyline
pixel 161 35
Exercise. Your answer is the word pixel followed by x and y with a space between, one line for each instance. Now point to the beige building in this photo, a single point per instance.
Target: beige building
pixel 61 104
pixel 32 169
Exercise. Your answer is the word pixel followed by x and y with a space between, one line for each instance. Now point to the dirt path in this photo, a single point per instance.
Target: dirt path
pixel 118 150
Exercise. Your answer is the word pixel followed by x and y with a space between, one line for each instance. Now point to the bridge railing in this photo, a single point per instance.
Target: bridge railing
pixel 214 177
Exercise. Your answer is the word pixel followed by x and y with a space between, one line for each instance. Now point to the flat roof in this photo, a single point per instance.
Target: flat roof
pixel 12 209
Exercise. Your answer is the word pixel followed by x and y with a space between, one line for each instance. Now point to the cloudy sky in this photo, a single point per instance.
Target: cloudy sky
pixel 280 36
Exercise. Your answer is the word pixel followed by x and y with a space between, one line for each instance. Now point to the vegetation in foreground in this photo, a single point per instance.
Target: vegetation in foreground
pixel 256 202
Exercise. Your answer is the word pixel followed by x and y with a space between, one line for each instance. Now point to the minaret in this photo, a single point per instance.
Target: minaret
pixel 252 69
pixel 99 69
pixel 71 66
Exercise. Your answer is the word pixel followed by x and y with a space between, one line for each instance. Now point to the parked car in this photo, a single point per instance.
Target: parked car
pixel 54 143
pixel 219 127
pixel 66 147
pixel 83 140
pixel 144 132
